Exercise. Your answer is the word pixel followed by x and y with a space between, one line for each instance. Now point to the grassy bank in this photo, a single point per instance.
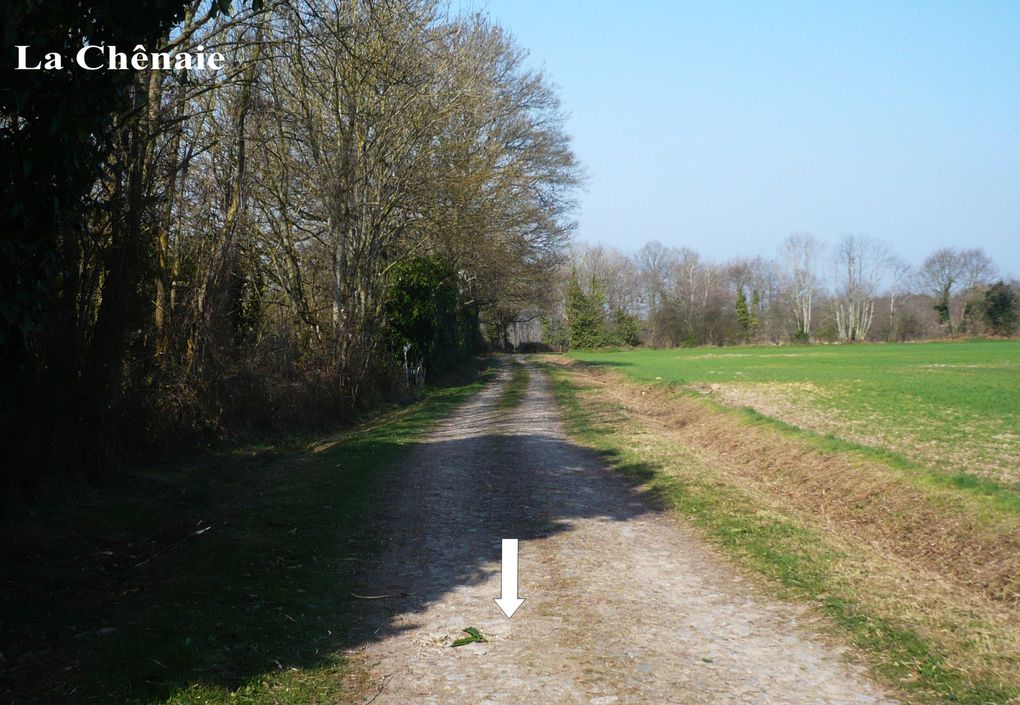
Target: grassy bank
pixel 226 580
pixel 926 637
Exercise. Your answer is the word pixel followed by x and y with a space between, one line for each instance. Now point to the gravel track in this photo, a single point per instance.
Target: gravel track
pixel 624 603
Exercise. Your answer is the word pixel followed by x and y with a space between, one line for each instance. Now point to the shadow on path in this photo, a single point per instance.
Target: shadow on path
pixel 269 588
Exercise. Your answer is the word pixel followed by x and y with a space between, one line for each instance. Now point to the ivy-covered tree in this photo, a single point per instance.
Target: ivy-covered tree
pixel 754 322
pixel 1001 309
pixel 743 315
pixel 424 315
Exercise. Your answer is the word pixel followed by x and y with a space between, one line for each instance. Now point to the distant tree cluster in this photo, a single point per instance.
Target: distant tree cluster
pixel 590 322
pixel 855 290
pixel 362 188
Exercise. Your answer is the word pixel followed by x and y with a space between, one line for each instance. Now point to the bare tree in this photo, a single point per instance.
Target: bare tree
pixel 691 285
pixel 653 263
pixel 900 273
pixel 860 264
pixel 799 255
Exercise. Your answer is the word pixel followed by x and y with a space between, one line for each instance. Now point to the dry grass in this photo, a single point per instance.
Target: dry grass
pixel 995 456
pixel 952 533
pixel 943 563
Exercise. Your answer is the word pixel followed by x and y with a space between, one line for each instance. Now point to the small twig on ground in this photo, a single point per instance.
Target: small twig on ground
pixel 382 686
pixel 382 597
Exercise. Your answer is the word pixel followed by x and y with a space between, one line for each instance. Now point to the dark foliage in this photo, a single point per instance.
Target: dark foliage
pixel 427 321
pixel 1000 307
pixel 57 129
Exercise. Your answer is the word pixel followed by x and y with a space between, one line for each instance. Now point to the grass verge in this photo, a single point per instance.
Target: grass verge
pixel 224 581
pixel 516 389
pixel 800 560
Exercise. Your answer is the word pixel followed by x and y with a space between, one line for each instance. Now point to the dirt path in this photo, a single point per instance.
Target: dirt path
pixel 624 605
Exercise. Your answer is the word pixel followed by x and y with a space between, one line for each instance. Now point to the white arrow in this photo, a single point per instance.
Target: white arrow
pixel 508 600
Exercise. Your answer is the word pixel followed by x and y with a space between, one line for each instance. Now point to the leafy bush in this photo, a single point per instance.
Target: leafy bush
pixel 426 317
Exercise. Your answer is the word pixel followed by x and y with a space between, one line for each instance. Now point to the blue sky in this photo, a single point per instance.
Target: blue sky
pixel 726 126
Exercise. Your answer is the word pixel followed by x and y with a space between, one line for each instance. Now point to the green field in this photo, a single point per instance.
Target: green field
pixel 952 407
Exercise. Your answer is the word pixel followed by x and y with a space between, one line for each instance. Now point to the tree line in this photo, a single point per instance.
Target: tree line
pixel 367 191
pixel 852 290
